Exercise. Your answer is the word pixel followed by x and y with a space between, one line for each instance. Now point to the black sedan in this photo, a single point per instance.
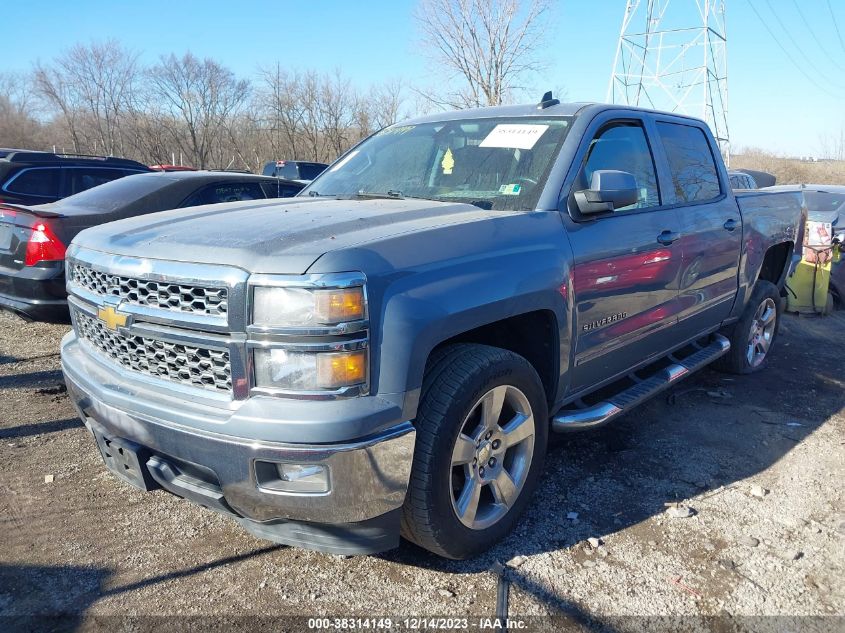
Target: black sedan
pixel 33 239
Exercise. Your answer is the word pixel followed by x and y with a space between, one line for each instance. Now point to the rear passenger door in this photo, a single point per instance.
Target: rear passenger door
pixel 711 226
pixel 625 277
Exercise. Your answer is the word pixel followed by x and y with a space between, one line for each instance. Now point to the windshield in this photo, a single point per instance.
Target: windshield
pixel 494 163
pixel 824 200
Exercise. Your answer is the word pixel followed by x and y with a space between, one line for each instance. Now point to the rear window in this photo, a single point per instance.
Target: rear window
pixel 309 171
pixel 41 182
pixel 693 169
pixel 117 193
pixel 84 178
pixel 289 171
pixel 228 192
pixel 280 190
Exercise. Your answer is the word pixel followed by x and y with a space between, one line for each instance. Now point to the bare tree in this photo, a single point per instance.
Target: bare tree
pixel 93 88
pixel 92 99
pixel 337 104
pixel 489 45
pixel 281 109
pixel 832 144
pixel 19 126
pixel 197 99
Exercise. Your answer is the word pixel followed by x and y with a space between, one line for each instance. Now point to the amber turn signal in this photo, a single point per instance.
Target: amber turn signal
pixel 342 369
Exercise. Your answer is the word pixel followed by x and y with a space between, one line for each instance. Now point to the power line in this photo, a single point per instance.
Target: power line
pixel 796 45
pixel 814 36
pixel 789 56
pixel 836 25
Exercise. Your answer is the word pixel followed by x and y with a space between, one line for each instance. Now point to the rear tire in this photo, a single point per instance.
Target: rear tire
pixel 754 334
pixel 482 428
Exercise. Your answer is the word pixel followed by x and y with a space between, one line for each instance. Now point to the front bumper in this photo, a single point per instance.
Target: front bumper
pixel 368 476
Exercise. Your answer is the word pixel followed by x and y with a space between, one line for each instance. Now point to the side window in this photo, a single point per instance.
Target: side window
pixel 36 182
pixel 229 192
pixel 84 178
pixel 694 175
pixel 623 147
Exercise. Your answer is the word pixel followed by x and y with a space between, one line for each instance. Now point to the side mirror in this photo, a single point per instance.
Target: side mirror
pixel 609 190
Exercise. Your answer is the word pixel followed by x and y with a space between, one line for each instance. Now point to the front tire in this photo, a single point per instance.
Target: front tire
pixel 754 334
pixel 482 428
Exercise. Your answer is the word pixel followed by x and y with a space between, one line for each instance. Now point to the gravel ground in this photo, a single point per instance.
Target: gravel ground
pixel 756 462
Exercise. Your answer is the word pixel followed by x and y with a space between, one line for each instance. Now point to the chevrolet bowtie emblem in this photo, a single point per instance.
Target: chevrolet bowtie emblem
pixel 111 317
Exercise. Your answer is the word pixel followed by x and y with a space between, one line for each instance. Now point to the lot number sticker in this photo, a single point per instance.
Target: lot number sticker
pixel 517 136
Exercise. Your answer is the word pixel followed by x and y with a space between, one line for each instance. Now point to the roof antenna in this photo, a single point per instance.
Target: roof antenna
pixel 547 101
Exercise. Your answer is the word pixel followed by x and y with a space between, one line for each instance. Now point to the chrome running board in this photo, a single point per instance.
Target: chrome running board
pixel 589 417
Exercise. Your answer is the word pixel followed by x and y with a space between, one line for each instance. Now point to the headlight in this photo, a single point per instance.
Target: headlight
pixel 296 307
pixel 308 335
pixel 309 371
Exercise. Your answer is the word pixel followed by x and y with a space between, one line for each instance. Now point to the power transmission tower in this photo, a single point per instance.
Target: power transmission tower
pixel 672 55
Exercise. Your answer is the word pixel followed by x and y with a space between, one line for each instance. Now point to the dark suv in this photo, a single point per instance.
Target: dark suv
pixel 294 169
pixel 28 177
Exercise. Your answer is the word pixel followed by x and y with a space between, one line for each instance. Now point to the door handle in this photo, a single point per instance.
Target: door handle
pixel 667 237
pixel 730 225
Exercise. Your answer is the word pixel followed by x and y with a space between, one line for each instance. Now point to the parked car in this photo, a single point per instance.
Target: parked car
pixel 761 178
pixel 388 352
pixel 301 170
pixel 741 180
pixel 28 177
pixel 33 238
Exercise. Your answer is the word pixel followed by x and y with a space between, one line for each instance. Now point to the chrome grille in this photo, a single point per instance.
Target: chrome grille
pixel 177 297
pixel 186 364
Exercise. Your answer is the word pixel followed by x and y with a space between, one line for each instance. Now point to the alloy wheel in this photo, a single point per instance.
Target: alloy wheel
pixel 491 457
pixel 762 332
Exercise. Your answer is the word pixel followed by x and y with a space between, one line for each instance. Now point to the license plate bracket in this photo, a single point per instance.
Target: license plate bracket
pixel 126 459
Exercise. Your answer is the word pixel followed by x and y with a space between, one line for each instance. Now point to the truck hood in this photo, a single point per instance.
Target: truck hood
pixel 282 236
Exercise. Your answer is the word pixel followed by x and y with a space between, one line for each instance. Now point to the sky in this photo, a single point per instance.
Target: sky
pixel 786 94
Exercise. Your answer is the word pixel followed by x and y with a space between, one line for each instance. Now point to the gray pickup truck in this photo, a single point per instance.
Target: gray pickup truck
pixel 388 352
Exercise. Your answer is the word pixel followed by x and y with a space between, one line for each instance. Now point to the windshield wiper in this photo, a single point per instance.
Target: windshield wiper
pixel 392 194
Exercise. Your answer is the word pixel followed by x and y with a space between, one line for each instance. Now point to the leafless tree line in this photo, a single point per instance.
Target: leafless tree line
pixel 98 99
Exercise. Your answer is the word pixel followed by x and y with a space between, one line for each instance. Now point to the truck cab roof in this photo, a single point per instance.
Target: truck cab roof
pixel 532 110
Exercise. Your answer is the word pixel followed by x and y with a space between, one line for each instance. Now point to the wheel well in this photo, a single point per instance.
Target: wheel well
pixel 774 263
pixel 533 335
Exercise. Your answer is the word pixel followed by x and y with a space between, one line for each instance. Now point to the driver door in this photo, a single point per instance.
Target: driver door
pixel 627 264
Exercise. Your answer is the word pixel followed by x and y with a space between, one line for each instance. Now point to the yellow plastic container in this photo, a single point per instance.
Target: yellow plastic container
pixel 809 285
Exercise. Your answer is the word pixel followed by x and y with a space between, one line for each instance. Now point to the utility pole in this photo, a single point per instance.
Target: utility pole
pixel 673 55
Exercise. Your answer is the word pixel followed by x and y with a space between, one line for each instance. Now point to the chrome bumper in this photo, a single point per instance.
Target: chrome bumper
pixel 368 477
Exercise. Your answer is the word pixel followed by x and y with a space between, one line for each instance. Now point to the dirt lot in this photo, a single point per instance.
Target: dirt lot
pixel 760 460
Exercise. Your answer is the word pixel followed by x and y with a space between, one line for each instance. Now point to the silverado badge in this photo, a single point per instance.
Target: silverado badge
pixel 605 321
pixel 111 317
